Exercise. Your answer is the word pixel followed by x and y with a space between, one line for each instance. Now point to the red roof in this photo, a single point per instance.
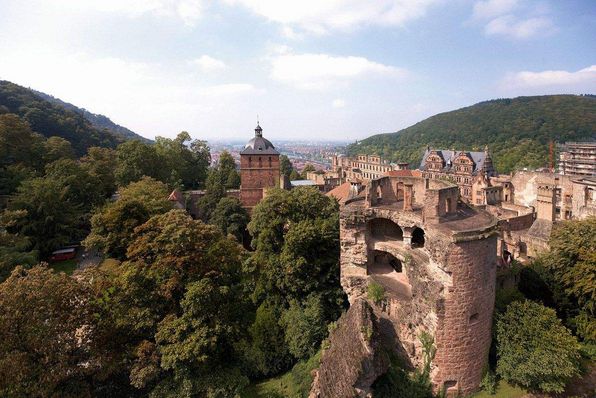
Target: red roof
pixel 341 192
pixel 176 196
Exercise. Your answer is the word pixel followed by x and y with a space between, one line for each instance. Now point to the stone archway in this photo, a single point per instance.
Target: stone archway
pixel 385 229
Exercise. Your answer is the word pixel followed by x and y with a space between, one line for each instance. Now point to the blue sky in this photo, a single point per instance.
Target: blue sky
pixel 311 69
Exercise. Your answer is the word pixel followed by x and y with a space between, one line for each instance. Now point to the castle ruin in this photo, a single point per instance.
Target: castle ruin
pixel 436 259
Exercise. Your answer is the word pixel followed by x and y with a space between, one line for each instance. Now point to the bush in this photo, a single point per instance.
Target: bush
pixel 534 349
pixel 375 292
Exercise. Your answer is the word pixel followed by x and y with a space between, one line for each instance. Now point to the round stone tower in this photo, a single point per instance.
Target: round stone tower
pixel 436 259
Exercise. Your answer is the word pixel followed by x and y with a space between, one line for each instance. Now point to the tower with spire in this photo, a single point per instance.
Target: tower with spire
pixel 259 169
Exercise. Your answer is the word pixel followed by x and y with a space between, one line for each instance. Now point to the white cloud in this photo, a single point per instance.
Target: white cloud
pixel 513 19
pixel 584 78
pixel 189 11
pixel 320 16
pixel 130 93
pixel 493 8
pixel 319 71
pixel 209 64
pixel 338 103
pixel 227 89
pixel 508 25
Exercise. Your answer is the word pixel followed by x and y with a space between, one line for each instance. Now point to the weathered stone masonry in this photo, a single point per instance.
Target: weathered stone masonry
pixel 436 258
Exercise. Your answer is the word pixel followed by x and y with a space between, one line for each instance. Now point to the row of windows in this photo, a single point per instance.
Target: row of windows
pixel 260 162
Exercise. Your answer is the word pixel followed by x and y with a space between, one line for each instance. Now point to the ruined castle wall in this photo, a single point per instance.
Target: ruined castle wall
pixel 464 331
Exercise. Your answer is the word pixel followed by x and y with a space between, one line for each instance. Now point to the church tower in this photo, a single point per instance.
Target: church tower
pixel 259 169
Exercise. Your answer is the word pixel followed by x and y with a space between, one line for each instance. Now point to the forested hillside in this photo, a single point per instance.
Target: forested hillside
pixel 98 121
pixel 516 130
pixel 50 119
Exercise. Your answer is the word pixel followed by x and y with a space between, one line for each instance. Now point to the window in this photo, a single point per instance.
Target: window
pixel 474 317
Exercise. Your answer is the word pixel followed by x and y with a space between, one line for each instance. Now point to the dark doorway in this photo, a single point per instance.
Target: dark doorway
pixel 417 237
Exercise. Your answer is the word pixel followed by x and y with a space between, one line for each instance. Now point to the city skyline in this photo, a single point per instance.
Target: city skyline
pixel 324 70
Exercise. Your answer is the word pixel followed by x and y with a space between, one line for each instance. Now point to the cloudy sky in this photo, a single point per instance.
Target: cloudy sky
pixel 312 69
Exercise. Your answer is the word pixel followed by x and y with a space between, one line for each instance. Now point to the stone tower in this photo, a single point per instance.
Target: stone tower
pixel 259 169
pixel 436 259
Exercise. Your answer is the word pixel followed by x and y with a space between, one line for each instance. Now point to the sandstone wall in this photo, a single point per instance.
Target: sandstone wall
pixel 354 359
pixel 464 330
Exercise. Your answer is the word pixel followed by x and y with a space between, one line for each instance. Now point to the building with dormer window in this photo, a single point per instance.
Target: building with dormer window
pixel 471 171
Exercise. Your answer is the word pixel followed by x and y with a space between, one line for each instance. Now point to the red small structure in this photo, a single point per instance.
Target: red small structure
pixel 63 254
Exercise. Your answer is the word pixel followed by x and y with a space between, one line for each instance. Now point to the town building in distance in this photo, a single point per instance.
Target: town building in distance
pixel 578 159
pixel 362 168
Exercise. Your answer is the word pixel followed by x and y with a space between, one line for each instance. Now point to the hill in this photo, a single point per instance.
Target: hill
pixel 98 121
pixel 516 130
pixel 51 119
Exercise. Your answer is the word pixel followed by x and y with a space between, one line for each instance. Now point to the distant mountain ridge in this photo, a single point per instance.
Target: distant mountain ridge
pixel 98 121
pixel 517 131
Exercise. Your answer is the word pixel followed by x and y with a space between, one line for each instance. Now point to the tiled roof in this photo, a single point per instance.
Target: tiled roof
pixel 341 192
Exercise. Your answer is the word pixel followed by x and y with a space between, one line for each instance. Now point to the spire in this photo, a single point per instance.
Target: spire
pixel 258 129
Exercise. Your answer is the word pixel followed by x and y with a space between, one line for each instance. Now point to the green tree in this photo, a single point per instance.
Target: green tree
pixel 306 169
pixel 305 326
pixel 134 160
pixel 46 330
pixel 52 218
pixel 183 161
pixel 100 164
pixel 230 217
pixel 18 143
pixel 295 262
pixel 572 263
pixel 215 190
pixel 20 153
pixel 82 189
pixel 56 148
pixel 285 166
pixel 14 248
pixel 113 225
pixel 534 349
pixel 155 307
pixel 294 175
pixel 227 168
pixel 267 353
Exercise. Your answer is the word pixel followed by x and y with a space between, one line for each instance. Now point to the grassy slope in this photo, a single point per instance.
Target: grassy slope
pixel 517 130
pixel 293 384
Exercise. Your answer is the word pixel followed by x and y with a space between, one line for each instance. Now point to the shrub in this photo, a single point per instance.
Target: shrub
pixel 534 349
pixel 375 292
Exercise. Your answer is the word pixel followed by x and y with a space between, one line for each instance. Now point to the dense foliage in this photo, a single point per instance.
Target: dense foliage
pixel 534 349
pixel 100 122
pixel 47 328
pixel 295 276
pixel 50 119
pixel 516 130
pixel 113 225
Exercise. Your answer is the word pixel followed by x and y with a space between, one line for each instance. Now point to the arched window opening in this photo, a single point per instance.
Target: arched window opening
pixel 474 317
pixel 448 205
pixel 384 229
pixel 418 237
pixel 379 194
